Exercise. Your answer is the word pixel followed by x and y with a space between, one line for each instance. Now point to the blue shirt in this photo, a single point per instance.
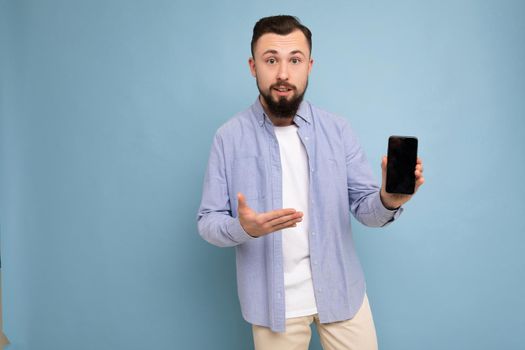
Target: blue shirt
pixel 245 158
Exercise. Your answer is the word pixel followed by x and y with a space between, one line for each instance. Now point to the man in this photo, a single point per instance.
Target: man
pixel 296 265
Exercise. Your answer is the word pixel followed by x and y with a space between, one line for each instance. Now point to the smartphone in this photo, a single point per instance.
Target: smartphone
pixel 402 158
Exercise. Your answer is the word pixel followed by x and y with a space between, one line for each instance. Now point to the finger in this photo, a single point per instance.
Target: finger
pixel 419 161
pixel 271 215
pixel 242 201
pixel 284 226
pixel 419 170
pixel 419 182
pixel 384 161
pixel 297 217
pixel 288 223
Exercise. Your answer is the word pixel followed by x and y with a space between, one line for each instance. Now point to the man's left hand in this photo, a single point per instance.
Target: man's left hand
pixel 394 200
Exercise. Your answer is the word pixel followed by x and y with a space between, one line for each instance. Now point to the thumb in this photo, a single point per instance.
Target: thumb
pixel 383 168
pixel 242 201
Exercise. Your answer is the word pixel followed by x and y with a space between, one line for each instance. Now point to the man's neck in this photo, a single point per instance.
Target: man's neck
pixel 276 121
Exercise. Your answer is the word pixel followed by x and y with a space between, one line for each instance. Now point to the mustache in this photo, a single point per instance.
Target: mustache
pixel 283 84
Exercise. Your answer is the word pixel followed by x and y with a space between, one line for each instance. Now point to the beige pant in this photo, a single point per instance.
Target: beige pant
pixel 356 334
pixel 3 339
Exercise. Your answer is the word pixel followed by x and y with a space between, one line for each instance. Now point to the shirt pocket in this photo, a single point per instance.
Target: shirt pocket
pixel 249 177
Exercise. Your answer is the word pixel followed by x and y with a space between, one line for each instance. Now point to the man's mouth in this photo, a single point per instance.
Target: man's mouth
pixel 282 89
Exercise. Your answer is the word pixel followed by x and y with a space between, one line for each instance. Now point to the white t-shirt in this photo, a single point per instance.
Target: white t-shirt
pixel 299 291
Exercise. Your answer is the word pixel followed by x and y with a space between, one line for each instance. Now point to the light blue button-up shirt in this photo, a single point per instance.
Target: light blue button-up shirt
pixel 245 158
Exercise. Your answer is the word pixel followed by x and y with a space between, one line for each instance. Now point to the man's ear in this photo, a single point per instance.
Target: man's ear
pixel 251 63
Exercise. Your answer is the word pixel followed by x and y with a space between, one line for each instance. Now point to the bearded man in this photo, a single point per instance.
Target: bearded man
pixel 282 179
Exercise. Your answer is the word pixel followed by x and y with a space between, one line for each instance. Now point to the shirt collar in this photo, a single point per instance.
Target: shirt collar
pixel 301 117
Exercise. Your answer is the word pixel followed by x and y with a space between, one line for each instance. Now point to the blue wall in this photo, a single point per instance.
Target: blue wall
pixel 108 109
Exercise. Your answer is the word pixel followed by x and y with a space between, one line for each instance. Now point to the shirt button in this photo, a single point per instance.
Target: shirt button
pixel 306 138
pixel 319 290
pixel 313 233
pixel 313 170
pixel 315 262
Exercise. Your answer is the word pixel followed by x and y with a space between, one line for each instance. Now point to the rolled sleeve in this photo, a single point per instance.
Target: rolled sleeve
pixel 385 216
pixel 215 221
pixel 237 233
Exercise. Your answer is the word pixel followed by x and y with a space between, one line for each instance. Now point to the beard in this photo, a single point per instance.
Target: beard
pixel 282 107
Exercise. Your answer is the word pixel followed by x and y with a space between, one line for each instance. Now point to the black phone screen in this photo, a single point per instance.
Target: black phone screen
pixel 402 158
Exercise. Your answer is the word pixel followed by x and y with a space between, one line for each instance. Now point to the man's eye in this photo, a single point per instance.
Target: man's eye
pixel 296 61
pixel 271 60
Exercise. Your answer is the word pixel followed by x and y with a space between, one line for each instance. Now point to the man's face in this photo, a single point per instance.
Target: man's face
pixel 281 65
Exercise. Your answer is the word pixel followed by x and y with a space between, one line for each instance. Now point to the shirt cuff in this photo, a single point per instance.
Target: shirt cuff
pixel 237 233
pixel 385 215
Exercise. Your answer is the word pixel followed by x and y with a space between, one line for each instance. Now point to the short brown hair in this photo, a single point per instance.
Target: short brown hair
pixel 282 25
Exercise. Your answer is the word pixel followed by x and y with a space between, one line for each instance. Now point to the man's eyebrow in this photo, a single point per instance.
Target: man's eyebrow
pixel 294 52
pixel 297 51
pixel 270 51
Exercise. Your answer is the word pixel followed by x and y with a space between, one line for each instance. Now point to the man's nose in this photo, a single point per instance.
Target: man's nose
pixel 283 71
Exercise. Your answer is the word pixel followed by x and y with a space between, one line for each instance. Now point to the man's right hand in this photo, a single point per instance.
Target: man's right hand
pixel 260 224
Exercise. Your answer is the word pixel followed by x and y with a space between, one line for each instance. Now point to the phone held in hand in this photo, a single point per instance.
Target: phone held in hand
pixel 402 159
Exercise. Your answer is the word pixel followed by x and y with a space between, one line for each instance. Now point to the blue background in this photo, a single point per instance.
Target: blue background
pixel 108 109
